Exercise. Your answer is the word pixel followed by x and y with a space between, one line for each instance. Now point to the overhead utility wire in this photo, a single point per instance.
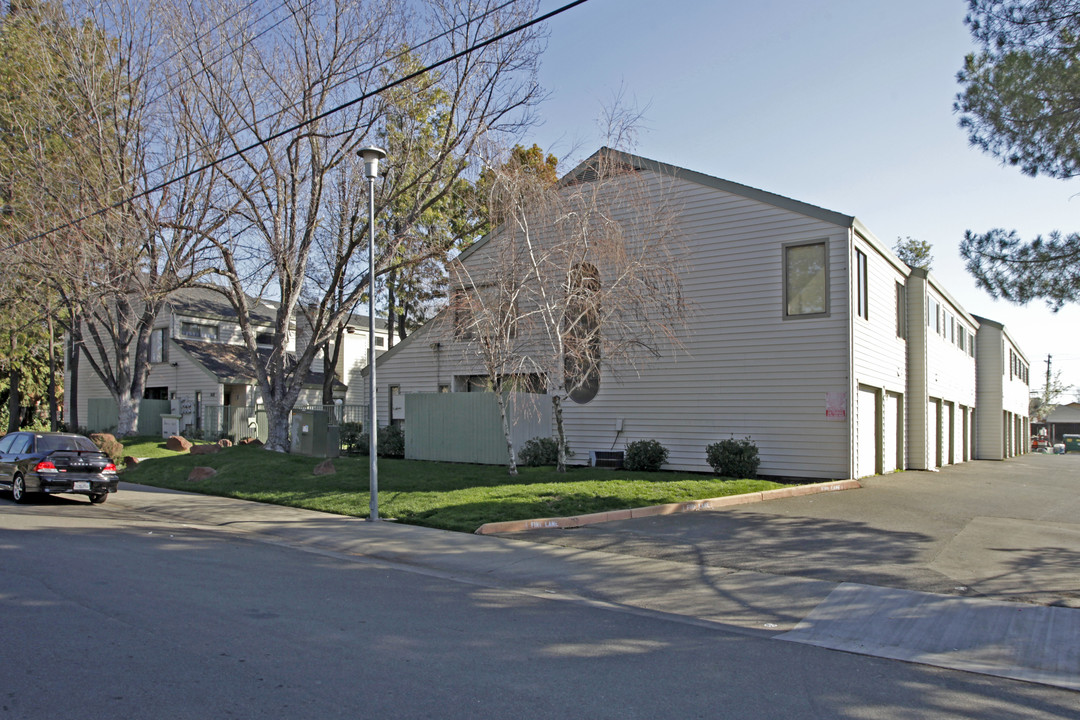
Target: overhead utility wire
pixel 297 126
pixel 357 74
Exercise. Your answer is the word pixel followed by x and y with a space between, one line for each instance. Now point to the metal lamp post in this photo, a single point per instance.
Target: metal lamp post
pixel 371 157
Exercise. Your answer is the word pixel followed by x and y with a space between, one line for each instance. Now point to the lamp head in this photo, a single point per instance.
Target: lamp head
pixel 371 157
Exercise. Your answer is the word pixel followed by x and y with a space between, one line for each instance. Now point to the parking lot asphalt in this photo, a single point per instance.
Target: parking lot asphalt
pixel 999 530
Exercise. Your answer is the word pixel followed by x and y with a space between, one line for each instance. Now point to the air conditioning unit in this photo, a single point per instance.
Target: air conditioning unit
pixel 606 458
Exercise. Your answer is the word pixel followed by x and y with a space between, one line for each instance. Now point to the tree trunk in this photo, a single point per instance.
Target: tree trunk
pixel 501 397
pixel 330 363
pixel 53 419
pixel 14 414
pixel 391 314
pixel 72 389
pixel 556 403
pixel 127 411
pixel 277 420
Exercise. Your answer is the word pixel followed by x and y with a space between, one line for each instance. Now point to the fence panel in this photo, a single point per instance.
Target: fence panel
pixel 465 427
pixel 150 412
pixel 101 414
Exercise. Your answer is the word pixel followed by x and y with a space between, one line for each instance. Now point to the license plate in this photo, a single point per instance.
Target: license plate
pixel 81 485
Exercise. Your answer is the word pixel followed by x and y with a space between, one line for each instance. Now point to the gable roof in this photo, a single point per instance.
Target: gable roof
pixel 208 302
pixel 232 364
pixel 586 169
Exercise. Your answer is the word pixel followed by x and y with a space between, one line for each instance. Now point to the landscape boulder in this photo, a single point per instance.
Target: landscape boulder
pixel 176 443
pixel 251 441
pixel 204 449
pixel 224 443
pixel 326 467
pixel 201 473
pixel 130 461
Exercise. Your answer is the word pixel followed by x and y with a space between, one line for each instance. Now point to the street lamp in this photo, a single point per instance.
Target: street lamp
pixel 371 157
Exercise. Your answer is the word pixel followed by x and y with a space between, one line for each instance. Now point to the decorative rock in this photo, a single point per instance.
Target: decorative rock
pixel 252 441
pixel 201 473
pixel 176 443
pixel 326 467
pixel 102 438
pixel 204 449
pixel 224 443
pixel 130 461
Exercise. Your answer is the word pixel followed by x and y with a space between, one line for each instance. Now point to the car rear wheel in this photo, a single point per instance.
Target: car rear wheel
pixel 18 489
pixel 99 498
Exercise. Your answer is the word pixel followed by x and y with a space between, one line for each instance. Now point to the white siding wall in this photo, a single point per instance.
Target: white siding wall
pixel 1002 424
pixel 744 370
pixel 879 360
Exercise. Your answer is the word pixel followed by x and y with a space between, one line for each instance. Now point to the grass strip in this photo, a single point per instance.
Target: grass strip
pixel 450 496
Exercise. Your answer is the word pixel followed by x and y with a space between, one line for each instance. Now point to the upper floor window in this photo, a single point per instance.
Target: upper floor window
pixel 806 280
pixel 862 287
pixel 380 341
pixel 901 309
pixel 199 331
pixel 159 348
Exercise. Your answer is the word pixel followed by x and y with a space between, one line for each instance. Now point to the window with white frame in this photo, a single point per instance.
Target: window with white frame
pixel 901 310
pixel 159 349
pixel 806 280
pixel 199 331
pixel 862 299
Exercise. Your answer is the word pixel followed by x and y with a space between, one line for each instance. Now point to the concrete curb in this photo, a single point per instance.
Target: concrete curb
pixel 667 509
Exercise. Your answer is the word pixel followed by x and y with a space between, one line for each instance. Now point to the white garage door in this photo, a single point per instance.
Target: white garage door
pixel 866 447
pixel 890 437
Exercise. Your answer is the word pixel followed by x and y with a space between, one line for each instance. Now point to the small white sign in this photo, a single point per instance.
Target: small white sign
pixel 836 406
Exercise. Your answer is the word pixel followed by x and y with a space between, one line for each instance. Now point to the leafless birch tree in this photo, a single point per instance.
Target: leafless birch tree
pixel 578 284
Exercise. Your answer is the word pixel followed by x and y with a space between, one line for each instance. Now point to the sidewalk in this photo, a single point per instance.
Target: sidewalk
pixel 994 638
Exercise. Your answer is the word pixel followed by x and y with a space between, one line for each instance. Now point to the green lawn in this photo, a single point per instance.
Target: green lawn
pixel 451 496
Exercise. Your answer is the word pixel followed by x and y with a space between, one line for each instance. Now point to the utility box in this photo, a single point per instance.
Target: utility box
pixel 1072 443
pixel 311 434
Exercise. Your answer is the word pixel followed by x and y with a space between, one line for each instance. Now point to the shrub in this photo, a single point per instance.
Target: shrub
pixel 644 455
pixel 734 458
pixel 389 443
pixel 351 434
pixel 539 451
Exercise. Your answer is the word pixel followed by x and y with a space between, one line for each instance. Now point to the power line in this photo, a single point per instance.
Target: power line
pixel 302 124
pixel 357 72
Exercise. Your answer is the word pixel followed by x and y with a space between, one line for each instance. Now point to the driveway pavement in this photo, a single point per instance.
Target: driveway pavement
pixel 974 568
pixel 999 530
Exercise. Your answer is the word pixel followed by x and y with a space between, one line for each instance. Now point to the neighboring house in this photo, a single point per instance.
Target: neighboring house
pixel 804 331
pixel 353 357
pixel 1002 420
pixel 199 364
pixel 941 375
pixel 1063 420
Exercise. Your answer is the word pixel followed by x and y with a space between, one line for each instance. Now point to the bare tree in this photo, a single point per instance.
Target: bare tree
pixel 126 240
pixel 269 88
pixel 577 285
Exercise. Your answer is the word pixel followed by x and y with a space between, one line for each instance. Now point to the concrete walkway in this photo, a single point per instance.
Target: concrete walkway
pixel 990 636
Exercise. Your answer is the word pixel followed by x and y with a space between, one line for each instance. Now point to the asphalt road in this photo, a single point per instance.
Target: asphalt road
pixel 106 612
pixel 999 530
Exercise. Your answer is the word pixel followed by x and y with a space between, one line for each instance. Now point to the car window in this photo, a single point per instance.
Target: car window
pixel 49 443
pixel 5 442
pixel 21 443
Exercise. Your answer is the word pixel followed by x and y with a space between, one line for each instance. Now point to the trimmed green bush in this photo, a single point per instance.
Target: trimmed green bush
pixel 539 451
pixel 734 458
pixel 646 455
pixel 389 443
pixel 350 436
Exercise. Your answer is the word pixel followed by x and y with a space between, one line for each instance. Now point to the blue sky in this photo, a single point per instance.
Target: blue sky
pixel 845 104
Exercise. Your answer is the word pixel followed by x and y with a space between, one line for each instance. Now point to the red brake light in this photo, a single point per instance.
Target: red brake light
pixel 110 468
pixel 45 465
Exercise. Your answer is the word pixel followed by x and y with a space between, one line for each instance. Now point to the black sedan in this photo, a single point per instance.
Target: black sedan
pixel 55 463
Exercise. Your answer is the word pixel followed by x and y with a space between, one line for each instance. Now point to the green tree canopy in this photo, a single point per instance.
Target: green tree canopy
pixel 914 253
pixel 1021 103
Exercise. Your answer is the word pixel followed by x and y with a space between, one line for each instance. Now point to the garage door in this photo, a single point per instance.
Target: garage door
pixel 892 436
pixel 867 434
